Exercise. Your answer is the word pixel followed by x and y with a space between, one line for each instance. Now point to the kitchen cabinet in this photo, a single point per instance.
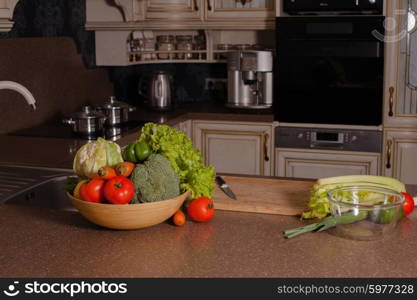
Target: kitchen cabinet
pixel 313 164
pixel 235 147
pixel 400 106
pixel 169 10
pixel 400 157
pixel 238 10
pixel 184 126
pixel 6 14
pixel 168 13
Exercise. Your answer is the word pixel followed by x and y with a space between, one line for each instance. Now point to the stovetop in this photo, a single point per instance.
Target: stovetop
pixel 57 130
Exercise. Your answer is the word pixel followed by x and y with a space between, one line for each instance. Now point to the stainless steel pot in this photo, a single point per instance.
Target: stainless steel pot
pixel 86 122
pixel 158 90
pixel 117 112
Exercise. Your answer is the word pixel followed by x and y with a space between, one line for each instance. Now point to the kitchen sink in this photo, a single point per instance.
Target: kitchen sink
pixel 40 187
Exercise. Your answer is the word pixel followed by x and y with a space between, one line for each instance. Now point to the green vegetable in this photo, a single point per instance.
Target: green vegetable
pixel 326 223
pixel 318 204
pixel 129 153
pixel 142 151
pixel 92 156
pixel 184 158
pixel 155 180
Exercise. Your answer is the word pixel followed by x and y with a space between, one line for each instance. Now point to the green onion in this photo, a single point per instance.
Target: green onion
pixel 325 224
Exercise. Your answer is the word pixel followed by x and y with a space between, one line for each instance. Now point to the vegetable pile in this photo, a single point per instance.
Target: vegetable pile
pixel 319 206
pixel 160 165
pixel 184 158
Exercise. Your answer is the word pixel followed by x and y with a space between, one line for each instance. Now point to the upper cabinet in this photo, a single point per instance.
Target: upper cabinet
pixel 180 14
pixel 400 109
pixel 169 10
pixel 240 9
pixel 6 14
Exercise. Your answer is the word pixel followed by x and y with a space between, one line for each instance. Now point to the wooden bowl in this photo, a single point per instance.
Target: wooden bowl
pixel 128 216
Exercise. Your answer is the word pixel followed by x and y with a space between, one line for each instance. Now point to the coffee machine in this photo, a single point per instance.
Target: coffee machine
pixel 250 79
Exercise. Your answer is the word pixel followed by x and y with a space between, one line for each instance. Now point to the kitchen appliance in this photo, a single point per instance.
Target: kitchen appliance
pixel 117 112
pixel 250 79
pixel 87 122
pixel 329 70
pixel 329 139
pixel 225 187
pixel 157 90
pixel 333 7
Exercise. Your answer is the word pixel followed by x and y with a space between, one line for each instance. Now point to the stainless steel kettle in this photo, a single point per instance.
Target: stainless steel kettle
pixel 158 95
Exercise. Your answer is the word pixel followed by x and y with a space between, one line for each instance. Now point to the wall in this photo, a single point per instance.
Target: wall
pixel 54 73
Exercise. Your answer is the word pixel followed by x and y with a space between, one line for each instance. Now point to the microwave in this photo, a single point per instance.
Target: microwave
pixel 337 7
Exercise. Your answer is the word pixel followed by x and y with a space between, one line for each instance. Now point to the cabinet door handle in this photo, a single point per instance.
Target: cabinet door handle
pixel 266 139
pixel 391 102
pixel 209 6
pixel 195 5
pixel 389 152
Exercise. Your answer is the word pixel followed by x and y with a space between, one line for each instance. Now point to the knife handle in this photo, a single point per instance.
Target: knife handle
pixel 220 181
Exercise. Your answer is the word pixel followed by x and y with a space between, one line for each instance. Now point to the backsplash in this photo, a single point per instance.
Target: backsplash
pixel 58 18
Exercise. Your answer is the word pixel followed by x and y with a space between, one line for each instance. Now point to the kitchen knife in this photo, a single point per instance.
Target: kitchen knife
pixel 225 188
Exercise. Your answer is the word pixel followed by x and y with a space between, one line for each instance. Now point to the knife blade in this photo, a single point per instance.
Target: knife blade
pixel 225 188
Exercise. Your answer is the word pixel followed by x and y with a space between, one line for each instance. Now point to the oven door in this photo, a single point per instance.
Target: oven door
pixel 329 70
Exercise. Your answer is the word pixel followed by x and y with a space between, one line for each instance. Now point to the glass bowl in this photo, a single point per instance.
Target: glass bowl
pixel 365 213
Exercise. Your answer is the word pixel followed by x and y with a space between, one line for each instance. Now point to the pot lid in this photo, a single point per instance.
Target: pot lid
pixel 114 104
pixel 87 112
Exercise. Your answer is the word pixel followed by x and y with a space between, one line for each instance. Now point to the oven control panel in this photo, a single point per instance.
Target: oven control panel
pixel 331 139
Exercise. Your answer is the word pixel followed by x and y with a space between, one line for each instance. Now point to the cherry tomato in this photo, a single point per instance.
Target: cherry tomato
pixel 92 191
pixel 76 192
pixel 201 209
pixel 179 218
pixel 124 168
pixel 106 173
pixel 119 190
pixel 408 204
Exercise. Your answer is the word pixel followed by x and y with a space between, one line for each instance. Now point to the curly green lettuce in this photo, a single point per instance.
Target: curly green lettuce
pixel 184 158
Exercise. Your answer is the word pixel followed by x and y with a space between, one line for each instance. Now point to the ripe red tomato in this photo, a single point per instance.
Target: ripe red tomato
pixel 119 190
pixel 408 204
pixel 201 209
pixel 92 191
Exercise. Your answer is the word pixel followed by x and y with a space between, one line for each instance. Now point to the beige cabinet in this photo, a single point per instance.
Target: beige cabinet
pixel 240 10
pixel 184 126
pixel 180 14
pixel 235 147
pixel 315 164
pixel 6 14
pixel 400 88
pixel 169 10
pixel 400 157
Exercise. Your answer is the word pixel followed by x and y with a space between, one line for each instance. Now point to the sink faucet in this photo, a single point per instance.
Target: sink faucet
pixel 11 85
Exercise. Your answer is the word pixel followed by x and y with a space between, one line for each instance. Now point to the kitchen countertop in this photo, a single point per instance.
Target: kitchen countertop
pixel 47 243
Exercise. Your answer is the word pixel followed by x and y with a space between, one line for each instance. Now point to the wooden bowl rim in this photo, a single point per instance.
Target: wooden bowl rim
pixel 118 206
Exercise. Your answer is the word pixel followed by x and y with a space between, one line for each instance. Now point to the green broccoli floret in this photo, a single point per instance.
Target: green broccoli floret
pixel 155 180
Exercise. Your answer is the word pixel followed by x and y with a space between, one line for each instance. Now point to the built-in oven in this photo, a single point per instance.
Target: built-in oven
pixel 329 70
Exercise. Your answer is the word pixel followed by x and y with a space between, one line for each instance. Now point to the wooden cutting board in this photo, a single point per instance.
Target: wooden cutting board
pixel 263 195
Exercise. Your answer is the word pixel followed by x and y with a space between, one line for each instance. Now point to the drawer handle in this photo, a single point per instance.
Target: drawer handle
pixel 209 7
pixel 266 139
pixel 389 151
pixel 391 101
pixel 195 5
